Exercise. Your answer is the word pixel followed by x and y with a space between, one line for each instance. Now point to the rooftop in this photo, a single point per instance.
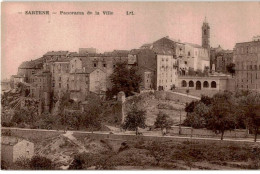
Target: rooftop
pixel 8 140
pixel 56 53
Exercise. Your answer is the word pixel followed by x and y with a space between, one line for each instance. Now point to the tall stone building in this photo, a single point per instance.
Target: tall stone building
pixel 247 65
pixel 205 35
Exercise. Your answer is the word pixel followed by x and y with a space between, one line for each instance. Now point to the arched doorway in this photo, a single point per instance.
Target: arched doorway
pixel 198 85
pixel 213 84
pixel 191 84
pixel 183 83
pixel 205 84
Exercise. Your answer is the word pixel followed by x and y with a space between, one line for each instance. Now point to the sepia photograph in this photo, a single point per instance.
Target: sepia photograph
pixel 130 86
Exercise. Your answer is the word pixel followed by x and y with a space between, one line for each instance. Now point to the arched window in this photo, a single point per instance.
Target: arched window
pixel 191 84
pixel 198 85
pixel 213 84
pixel 184 83
pixel 205 84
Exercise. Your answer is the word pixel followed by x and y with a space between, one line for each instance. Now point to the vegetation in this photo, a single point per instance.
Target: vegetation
pixel 231 68
pixel 124 79
pixel 225 111
pixel 41 163
pixel 134 119
pixel 86 160
pixel 163 121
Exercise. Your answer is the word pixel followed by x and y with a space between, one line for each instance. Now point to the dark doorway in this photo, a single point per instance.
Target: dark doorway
pixel 198 85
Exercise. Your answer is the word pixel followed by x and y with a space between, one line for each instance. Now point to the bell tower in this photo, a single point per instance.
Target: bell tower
pixel 205 34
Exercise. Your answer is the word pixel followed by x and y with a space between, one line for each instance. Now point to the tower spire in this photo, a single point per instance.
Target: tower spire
pixel 205 19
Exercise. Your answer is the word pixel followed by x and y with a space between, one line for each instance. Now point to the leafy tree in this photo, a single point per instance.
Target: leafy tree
pixel 41 163
pixel 198 118
pixel 134 119
pixel 93 112
pixel 221 115
pixel 206 100
pixel 124 79
pixel 231 68
pixel 250 106
pixel 78 162
pixel 190 106
pixel 163 121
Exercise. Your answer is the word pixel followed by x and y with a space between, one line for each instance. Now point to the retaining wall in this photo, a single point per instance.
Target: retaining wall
pixel 39 134
pixel 164 95
pixel 238 133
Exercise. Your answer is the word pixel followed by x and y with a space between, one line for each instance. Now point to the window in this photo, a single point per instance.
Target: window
pixel 185 62
pixel 213 84
pixel 59 85
pixel 189 53
pixel 184 83
pixel 95 65
pixel 104 65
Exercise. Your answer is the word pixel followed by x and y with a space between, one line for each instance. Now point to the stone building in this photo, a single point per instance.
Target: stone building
pixel 196 57
pixel 247 65
pixel 213 57
pixel 13 148
pixel 28 68
pixel 223 58
pixel 216 83
pixel 86 80
pixel 146 61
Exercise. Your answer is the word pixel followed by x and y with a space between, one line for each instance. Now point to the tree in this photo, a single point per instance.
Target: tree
pixel 124 79
pixel 250 106
pixel 221 114
pixel 231 68
pixel 41 163
pixel 197 118
pixel 163 121
pixel 134 119
pixel 92 113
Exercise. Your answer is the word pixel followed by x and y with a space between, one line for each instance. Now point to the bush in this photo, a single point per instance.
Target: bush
pixel 7 124
pixel 4 165
pixel 41 163
pixel 22 163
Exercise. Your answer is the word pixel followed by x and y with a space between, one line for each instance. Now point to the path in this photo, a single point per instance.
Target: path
pixel 69 135
pixel 190 96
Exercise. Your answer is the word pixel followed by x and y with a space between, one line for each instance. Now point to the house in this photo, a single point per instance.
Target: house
pixel 13 148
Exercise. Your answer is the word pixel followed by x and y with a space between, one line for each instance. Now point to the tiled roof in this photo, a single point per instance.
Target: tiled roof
pixel 56 53
pixel 30 64
pixel 194 45
pixel 61 59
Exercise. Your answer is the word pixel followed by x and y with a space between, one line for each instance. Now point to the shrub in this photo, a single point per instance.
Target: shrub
pixel 41 163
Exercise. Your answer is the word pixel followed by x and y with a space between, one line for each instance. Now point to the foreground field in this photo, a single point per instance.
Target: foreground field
pixel 76 152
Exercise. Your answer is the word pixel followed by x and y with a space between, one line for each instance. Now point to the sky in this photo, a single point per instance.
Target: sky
pixel 27 37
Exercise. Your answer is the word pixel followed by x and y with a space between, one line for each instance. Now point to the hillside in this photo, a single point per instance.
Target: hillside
pixel 153 106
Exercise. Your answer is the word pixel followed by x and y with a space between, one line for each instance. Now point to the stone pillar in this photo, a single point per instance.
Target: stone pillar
pixel 121 100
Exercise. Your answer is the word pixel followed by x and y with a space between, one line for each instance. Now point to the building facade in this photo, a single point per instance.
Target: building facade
pixel 13 148
pixel 247 65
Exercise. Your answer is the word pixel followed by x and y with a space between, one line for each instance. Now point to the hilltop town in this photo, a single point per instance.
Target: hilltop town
pixel 89 106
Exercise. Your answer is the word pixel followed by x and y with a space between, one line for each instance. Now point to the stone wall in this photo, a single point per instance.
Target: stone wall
pixel 164 95
pixel 239 133
pixel 41 134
